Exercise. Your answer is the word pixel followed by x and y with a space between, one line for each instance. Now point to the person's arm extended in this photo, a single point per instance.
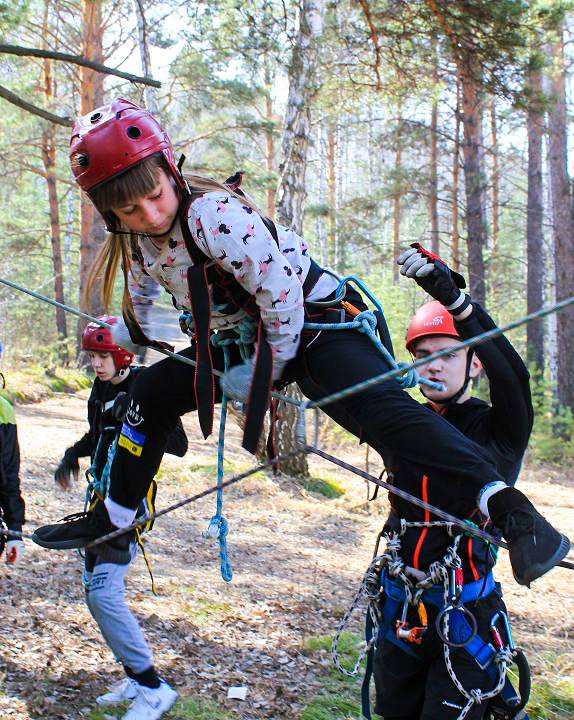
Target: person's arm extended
pixel 512 413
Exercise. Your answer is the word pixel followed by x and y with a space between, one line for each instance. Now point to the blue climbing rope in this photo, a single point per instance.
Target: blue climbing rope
pixel 100 485
pixel 244 335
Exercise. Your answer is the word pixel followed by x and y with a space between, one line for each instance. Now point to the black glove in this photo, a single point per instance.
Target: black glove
pixel 120 406
pixel 63 472
pixel 435 277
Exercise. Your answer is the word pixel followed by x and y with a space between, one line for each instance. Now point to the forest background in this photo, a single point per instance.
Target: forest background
pixel 366 125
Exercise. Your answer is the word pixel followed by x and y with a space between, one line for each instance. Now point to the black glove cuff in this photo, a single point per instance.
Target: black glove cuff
pixel 460 304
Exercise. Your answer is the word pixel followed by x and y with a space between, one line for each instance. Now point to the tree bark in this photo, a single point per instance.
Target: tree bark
pixel 433 190
pixel 562 223
pixel 150 94
pixel 397 196
pixel 534 225
pixel 92 231
pixel 495 196
pixel 455 172
pixel 473 175
pixel 49 160
pixel 291 191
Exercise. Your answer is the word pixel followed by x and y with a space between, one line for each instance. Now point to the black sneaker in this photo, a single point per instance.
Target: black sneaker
pixel 79 530
pixel 535 547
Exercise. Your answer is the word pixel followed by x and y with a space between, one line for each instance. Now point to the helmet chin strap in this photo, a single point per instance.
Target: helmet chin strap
pixel 457 395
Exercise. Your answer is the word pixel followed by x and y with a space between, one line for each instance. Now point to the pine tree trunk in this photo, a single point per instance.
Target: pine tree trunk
pixel 433 190
pixel 150 92
pixel 495 197
pixel 455 172
pixel 397 195
pixel 49 161
pixel 562 224
pixel 92 231
pixel 534 226
pixel 473 177
pixel 291 192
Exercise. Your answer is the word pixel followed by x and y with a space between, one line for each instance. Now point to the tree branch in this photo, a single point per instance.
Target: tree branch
pixel 19 102
pixel 77 60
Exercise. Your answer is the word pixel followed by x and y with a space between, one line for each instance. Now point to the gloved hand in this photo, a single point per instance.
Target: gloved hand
pixel 14 551
pixel 121 336
pixel 435 277
pixel 120 406
pixel 236 382
pixel 63 472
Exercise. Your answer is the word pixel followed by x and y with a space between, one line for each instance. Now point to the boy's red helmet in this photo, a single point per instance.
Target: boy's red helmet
pixel 100 339
pixel 430 319
pixel 113 138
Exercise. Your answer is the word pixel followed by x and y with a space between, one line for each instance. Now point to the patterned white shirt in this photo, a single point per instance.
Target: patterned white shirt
pixel 235 237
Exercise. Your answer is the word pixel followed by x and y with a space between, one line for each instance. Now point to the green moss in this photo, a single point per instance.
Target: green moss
pixel 322 486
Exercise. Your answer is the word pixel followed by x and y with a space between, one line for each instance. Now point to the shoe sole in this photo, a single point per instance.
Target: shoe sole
pixel 538 569
pixel 103 550
pixel 71 544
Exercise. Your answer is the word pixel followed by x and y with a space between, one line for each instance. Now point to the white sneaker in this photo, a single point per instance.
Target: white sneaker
pixel 151 703
pixel 126 689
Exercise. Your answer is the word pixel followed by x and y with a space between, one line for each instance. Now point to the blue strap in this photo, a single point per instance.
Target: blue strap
pixel 395 595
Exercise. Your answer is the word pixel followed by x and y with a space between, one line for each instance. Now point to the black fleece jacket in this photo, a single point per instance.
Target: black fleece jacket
pixel 502 428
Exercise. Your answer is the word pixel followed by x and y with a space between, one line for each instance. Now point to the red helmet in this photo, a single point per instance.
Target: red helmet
pixel 99 339
pixel 430 319
pixel 113 138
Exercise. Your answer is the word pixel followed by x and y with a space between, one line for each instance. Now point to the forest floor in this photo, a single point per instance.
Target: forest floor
pixel 297 559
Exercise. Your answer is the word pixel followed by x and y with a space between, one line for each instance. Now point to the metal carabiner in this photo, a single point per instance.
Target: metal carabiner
pixel 496 634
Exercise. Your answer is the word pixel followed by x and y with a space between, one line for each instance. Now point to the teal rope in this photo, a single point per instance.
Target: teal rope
pixel 100 484
pixel 477 340
pixel 366 322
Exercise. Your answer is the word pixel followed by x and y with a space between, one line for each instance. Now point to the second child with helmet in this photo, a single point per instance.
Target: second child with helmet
pixel 415 679
pixel 224 262
pixel 104 581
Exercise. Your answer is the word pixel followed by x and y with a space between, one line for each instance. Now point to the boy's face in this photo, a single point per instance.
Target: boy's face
pixel 152 214
pixel 103 364
pixel 449 370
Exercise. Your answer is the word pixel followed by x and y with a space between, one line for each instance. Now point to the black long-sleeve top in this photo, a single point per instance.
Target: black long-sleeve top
pixel 102 419
pixel 502 428
pixel 12 506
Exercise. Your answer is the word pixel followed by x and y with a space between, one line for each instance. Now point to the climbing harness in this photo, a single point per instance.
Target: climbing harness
pixel 390 587
pixel 372 324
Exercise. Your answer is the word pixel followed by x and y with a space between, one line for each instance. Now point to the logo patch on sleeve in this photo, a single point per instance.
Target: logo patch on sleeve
pixel 131 440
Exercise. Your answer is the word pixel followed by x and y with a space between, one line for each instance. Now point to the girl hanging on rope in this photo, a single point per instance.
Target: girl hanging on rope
pixel 413 679
pixel 223 261
pixel 104 579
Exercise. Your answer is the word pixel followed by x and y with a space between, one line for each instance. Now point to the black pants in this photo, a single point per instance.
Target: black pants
pixel 386 415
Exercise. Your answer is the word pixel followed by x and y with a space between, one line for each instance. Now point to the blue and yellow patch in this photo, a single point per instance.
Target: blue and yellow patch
pixel 131 440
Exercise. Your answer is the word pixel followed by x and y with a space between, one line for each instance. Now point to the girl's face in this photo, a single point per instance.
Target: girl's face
pixel 104 365
pixel 152 214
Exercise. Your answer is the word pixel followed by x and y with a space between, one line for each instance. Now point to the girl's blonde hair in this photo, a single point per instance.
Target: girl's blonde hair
pixel 120 248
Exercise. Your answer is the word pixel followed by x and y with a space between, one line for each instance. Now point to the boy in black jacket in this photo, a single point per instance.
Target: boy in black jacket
pixel 415 678
pixel 104 582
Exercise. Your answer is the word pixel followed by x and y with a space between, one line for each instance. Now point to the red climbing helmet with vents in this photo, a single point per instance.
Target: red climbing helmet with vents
pixel 96 338
pixel 430 319
pixel 113 138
